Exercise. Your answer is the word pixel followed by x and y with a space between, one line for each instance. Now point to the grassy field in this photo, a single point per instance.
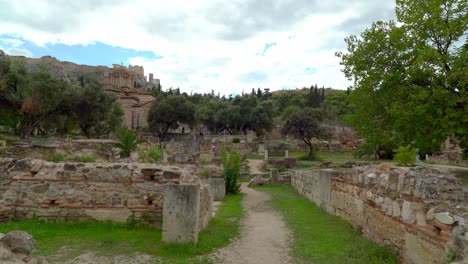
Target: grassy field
pixel 110 239
pixel 320 237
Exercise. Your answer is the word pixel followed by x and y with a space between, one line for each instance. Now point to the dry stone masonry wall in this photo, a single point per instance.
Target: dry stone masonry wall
pixel 419 211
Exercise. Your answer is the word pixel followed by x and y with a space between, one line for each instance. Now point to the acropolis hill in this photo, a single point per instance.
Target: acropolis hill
pixel 129 84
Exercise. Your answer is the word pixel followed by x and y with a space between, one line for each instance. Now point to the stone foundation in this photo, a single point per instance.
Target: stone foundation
pixel 419 211
pixel 78 191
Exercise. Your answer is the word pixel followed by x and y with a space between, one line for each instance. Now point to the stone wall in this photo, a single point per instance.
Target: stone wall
pixel 76 191
pixel 419 211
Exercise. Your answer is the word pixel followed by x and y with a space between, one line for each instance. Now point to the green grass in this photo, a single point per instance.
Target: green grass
pixel 109 239
pixel 320 237
pixel 56 158
pixel 255 156
pixel 336 156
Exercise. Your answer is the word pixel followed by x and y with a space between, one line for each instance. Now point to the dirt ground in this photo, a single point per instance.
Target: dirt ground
pixel 264 236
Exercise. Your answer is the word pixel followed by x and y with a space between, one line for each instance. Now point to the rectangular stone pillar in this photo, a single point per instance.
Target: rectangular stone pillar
pixel 218 187
pixel 266 154
pixel 181 209
pixel 286 153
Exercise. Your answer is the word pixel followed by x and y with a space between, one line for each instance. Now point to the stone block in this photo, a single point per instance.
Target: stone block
pixel 181 208
pixel 417 250
pixel 218 187
pixel 444 218
pixel 120 215
pixel 407 214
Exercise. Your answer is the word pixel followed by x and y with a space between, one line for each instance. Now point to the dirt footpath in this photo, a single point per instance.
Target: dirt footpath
pixel 264 236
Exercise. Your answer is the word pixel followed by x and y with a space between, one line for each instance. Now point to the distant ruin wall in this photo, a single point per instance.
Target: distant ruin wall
pixel 420 211
pixel 77 191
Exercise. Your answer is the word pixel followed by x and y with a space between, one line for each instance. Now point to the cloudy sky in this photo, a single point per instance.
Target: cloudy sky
pixel 197 45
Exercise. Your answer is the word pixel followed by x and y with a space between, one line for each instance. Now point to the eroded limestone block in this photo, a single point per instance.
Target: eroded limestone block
pixel 218 187
pixel 120 215
pixel 444 218
pixel 181 209
pixel 418 250
pixel 19 242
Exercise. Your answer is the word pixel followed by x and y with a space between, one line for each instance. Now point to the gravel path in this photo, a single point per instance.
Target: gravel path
pixel 264 236
pixel 255 166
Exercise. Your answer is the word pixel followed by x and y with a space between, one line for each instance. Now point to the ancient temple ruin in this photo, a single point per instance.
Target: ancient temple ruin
pixel 126 84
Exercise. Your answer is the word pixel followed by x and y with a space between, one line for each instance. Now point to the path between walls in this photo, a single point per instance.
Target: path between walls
pixel 264 236
pixel 255 166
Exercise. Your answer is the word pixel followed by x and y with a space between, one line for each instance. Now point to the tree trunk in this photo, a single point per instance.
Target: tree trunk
pixel 310 155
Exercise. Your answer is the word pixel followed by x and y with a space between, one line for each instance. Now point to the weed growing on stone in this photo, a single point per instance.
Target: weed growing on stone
pixel 320 237
pixel 56 158
pixel 86 159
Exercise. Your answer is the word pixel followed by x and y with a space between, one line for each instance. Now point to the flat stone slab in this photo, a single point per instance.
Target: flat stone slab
pixel 46 144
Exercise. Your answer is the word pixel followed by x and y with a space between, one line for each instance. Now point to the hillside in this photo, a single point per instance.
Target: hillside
pixel 70 71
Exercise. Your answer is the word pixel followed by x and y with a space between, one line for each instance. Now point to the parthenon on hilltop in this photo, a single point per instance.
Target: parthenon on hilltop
pixel 131 88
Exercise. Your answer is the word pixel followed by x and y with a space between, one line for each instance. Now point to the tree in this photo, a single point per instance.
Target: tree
pixel 96 111
pixel 169 112
pixel 410 84
pixel 305 125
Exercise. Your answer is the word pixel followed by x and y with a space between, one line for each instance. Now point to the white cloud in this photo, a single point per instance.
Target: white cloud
pixel 19 52
pixel 205 38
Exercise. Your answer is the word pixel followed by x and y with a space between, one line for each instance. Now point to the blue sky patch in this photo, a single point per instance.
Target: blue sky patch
pixel 92 54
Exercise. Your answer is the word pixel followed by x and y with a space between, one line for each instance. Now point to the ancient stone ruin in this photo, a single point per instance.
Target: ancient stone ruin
pixel 421 212
pixel 109 191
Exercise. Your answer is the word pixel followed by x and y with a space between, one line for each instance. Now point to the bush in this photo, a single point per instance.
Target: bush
pixel 151 154
pixel 128 141
pixel 56 158
pixel 236 140
pixel 405 155
pixel 231 169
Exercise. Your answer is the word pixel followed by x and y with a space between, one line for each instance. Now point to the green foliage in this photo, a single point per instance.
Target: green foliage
pixel 128 141
pixel 305 125
pixel 151 154
pixel 331 240
pixel 96 111
pixel 169 112
pixel 409 76
pixel 86 159
pixel 236 140
pixel 405 155
pixel 232 162
pixel 56 158
pixel 290 110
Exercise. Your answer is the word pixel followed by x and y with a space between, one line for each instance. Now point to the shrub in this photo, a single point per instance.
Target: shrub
pixel 56 158
pixel 128 141
pixel 231 169
pixel 151 154
pixel 236 140
pixel 405 155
